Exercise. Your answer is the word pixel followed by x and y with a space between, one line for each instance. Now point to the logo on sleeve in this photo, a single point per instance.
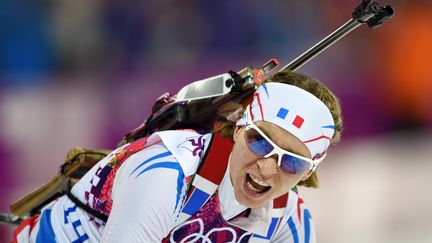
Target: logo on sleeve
pixel 195 145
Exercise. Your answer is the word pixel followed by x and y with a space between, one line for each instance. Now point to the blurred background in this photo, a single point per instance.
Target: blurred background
pixel 83 73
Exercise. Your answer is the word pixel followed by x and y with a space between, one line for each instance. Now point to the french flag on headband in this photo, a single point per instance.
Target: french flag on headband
pixel 298 120
pixel 296 111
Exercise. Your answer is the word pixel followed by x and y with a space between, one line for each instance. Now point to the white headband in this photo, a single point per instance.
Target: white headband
pixel 295 110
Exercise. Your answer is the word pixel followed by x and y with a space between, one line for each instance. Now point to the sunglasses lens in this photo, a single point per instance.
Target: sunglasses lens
pixel 293 165
pixel 257 143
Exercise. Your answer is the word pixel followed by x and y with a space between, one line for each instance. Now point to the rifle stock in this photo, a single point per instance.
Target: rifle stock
pixel 78 161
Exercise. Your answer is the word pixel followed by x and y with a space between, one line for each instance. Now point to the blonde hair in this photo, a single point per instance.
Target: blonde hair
pixel 312 86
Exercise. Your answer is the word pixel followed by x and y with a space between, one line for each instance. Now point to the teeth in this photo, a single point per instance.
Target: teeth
pixel 258 181
pixel 252 187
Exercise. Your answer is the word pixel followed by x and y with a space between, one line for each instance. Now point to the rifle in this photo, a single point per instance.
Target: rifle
pixel 196 106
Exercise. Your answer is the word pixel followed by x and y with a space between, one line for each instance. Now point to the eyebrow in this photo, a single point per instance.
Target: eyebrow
pixel 266 132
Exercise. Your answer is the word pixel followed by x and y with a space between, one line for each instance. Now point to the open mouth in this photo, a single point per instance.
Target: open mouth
pixel 256 185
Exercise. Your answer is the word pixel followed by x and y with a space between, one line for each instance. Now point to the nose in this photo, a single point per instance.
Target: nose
pixel 267 166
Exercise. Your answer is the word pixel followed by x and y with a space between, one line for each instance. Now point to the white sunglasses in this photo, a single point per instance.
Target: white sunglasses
pixel 263 146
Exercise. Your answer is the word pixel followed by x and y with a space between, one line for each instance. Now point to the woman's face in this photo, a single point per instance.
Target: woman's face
pixel 258 180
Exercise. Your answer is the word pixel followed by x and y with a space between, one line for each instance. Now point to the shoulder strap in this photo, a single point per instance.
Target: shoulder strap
pixel 216 159
pixel 208 177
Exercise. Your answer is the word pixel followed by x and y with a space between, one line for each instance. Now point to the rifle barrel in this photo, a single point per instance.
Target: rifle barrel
pixel 367 12
pixel 322 45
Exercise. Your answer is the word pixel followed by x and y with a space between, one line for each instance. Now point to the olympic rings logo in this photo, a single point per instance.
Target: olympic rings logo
pixel 205 238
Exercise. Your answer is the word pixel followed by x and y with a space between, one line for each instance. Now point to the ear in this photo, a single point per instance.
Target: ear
pixel 236 134
pixel 306 176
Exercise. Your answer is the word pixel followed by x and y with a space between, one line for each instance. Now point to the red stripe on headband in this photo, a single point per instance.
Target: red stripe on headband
pixel 259 103
pixel 318 138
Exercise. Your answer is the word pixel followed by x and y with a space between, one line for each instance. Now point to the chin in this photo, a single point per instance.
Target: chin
pixel 250 202
pixel 250 198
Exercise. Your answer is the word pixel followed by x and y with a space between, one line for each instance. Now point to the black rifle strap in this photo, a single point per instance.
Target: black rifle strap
pixel 86 208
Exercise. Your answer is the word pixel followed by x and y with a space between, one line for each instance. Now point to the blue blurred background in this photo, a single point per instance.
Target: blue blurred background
pixel 83 73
